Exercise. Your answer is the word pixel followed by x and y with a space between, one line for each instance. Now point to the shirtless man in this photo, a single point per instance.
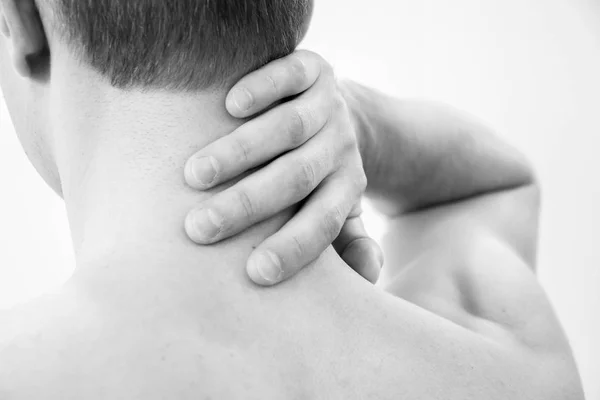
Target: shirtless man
pixel 111 98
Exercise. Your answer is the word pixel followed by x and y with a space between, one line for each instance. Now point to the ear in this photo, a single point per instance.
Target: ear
pixel 20 22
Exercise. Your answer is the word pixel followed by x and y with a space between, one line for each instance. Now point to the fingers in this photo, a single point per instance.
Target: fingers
pixel 280 79
pixel 293 177
pixel 262 139
pixel 307 235
pixel 358 250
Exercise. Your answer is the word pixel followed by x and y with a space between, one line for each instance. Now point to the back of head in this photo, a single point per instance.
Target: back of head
pixel 181 45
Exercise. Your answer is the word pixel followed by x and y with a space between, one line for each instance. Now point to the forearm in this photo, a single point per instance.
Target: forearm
pixel 418 155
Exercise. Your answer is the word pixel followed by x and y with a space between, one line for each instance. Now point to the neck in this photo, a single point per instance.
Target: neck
pixel 120 158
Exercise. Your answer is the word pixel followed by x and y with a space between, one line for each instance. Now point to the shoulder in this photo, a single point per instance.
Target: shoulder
pixel 487 288
pixel 36 338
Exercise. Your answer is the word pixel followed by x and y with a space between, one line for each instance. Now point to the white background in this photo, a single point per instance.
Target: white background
pixel 530 68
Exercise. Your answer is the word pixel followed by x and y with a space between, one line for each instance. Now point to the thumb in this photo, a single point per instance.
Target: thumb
pixel 359 250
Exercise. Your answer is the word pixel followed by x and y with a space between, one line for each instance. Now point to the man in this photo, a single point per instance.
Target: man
pixel 111 98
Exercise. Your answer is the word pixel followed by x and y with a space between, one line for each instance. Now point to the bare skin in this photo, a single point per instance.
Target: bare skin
pixel 161 324
pixel 151 315
pixel 449 334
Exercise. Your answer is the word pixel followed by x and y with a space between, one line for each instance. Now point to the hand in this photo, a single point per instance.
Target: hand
pixel 313 156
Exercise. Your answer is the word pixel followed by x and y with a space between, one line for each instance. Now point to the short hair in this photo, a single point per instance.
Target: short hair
pixel 181 45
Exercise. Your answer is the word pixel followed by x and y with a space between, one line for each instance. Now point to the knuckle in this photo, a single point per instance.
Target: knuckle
pixel 332 223
pixel 347 153
pixel 297 71
pixel 298 247
pixel 299 126
pixel 272 83
pixel 338 104
pixel 306 179
pixel 248 206
pixel 242 149
pixel 349 141
pixel 335 111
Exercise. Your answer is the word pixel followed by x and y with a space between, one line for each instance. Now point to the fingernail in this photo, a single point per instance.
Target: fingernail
pixel 243 99
pixel 267 265
pixel 204 170
pixel 206 224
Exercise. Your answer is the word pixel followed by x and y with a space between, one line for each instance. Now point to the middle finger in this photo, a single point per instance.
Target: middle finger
pixel 281 184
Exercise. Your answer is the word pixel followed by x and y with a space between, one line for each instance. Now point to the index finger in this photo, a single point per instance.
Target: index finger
pixel 276 81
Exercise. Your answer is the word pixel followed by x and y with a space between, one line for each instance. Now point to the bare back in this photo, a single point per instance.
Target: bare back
pixel 342 340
